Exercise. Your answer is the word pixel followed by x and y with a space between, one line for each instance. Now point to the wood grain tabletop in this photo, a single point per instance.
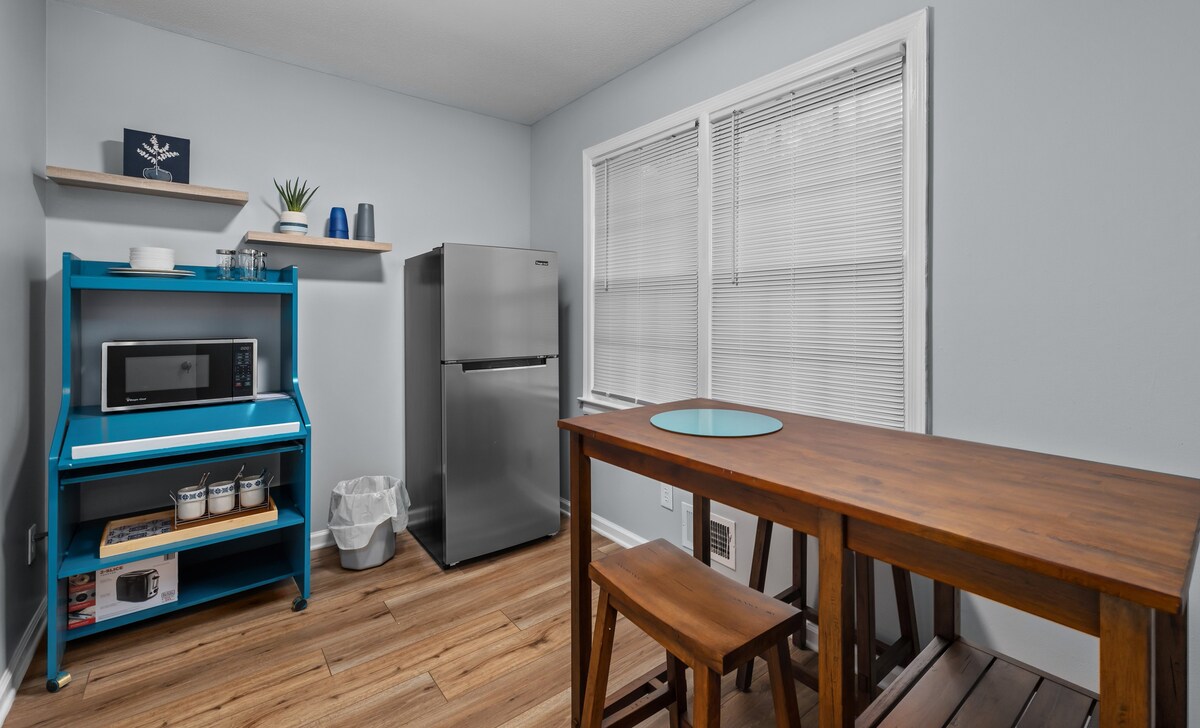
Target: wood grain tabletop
pixel 1127 532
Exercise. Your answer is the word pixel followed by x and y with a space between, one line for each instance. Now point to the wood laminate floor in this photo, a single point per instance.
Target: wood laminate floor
pixel 405 644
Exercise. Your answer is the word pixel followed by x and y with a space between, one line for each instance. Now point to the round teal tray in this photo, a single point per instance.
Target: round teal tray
pixel 716 423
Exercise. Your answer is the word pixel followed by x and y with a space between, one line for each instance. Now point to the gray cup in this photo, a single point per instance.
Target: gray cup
pixel 364 222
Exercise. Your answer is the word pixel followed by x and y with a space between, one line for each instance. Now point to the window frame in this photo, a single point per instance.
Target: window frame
pixel 911 31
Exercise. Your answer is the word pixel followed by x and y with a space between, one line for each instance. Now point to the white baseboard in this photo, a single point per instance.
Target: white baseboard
pixel 606 528
pixel 14 672
pixel 320 539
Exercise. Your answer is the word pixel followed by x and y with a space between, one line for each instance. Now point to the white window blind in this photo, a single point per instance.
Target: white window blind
pixel 808 257
pixel 645 271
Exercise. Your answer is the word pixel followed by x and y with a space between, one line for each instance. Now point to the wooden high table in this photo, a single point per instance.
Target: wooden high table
pixel 1102 549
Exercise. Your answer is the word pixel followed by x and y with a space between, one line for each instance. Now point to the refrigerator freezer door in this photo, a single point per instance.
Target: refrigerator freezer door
pixel 501 450
pixel 498 303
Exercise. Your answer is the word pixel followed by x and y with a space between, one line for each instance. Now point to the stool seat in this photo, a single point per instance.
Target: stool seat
pixel 705 621
pixel 695 610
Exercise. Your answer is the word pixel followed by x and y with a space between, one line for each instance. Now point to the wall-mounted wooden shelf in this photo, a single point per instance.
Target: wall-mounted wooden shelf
pixel 137 185
pixel 308 241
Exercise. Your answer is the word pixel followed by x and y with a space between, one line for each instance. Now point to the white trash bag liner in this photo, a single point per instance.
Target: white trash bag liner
pixel 358 506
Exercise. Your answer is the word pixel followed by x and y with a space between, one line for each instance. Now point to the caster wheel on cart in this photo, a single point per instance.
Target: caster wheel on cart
pixel 53 686
pixel 299 604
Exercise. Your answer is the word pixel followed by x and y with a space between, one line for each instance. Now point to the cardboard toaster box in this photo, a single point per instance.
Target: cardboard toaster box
pixel 136 586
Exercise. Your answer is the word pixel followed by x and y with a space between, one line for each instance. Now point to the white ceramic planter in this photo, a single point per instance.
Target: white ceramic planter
pixel 294 223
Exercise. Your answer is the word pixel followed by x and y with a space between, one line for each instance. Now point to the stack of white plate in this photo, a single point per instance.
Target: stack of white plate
pixel 151 258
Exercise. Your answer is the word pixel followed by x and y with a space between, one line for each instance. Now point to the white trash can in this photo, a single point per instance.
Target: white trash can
pixel 365 514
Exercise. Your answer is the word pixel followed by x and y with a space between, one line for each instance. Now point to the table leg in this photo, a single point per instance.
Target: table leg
pixel 836 606
pixel 1170 669
pixel 800 582
pixel 581 583
pixel 1124 663
pixel 701 535
pixel 946 609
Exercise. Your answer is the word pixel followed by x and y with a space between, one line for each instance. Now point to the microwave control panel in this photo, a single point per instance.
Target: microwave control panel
pixel 243 369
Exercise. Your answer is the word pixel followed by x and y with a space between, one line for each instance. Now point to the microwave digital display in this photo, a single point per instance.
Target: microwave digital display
pixel 148 374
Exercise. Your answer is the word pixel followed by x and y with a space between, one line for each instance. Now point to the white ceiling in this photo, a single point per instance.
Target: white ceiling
pixel 513 59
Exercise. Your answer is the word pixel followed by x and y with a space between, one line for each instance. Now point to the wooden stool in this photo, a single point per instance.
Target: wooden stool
pixel 704 620
pixel 881 657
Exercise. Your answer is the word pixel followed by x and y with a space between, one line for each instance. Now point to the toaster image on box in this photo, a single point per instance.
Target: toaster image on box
pixel 137 586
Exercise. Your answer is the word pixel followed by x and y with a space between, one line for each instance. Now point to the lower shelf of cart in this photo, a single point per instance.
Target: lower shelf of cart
pixel 206 581
pixel 955 683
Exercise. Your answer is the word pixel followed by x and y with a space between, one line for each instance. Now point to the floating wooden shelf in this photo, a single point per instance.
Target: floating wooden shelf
pixel 308 241
pixel 137 185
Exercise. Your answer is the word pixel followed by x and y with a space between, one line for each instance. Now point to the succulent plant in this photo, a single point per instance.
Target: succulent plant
pixel 295 194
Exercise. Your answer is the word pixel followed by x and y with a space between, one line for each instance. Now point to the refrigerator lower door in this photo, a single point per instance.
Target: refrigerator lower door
pixel 501 455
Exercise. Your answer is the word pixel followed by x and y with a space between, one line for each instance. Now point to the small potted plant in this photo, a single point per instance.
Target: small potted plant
pixel 295 196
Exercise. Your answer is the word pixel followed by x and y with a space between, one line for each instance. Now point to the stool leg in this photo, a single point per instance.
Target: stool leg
pixel 708 698
pixel 701 532
pixel 758 582
pixel 602 646
pixel 905 608
pixel 864 586
pixel 800 582
pixel 783 691
pixel 677 680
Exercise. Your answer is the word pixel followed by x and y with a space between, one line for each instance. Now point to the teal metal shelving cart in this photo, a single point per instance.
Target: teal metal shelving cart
pixel 90 447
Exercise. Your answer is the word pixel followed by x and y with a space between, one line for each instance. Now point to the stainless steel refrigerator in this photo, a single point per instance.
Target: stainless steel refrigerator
pixel 481 398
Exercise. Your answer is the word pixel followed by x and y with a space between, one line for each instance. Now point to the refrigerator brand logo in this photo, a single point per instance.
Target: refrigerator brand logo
pixel 541 262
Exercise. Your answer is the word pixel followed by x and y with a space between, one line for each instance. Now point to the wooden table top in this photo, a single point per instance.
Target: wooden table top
pixel 1127 532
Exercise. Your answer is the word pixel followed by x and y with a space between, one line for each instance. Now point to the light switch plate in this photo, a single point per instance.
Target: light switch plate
pixel 666 496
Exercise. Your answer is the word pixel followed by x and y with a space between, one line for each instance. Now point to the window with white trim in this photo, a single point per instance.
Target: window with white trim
pixel 768 247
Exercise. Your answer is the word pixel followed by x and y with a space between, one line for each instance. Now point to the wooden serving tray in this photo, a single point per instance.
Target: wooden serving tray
pixel 186 529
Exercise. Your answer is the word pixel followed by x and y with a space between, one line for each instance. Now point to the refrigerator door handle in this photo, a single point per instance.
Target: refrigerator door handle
pixel 503 365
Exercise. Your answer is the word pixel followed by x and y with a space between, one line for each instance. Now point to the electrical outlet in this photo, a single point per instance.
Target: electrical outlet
pixel 31 551
pixel 666 496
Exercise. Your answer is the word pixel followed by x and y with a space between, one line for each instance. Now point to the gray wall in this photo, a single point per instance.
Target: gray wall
pixel 434 173
pixel 22 468
pixel 1066 211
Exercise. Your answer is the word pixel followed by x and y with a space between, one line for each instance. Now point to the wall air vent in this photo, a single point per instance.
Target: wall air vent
pixel 722 538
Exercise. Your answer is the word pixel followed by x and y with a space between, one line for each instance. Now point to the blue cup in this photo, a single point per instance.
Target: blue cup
pixel 339 227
